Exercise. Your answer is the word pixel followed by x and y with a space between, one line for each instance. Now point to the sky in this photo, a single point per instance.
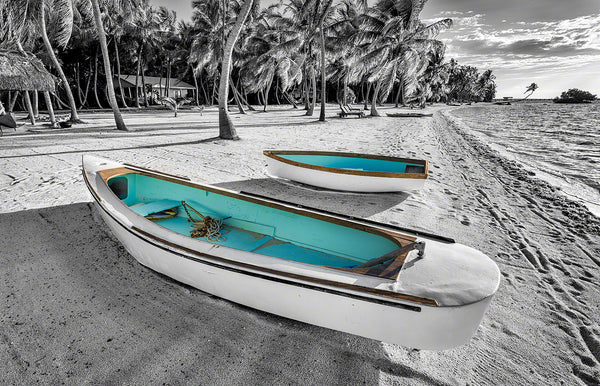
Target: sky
pixel 554 43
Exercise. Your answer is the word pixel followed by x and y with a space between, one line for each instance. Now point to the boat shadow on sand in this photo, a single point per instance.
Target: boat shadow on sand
pixel 71 291
pixel 348 203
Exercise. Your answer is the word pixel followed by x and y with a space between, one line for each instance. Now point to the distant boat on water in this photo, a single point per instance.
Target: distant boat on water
pixel 504 102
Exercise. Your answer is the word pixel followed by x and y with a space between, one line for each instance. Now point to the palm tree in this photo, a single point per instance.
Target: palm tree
pixel 211 22
pixel 299 23
pixel 485 87
pixel 116 24
pixel 26 18
pixel 143 30
pixel 226 127
pixel 433 83
pixel 107 70
pixel 395 44
pixel 530 89
pixel 345 27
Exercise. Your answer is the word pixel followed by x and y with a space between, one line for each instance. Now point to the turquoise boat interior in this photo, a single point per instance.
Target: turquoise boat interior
pixel 251 226
pixel 355 163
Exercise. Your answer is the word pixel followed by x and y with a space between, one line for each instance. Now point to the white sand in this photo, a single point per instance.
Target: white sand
pixel 76 308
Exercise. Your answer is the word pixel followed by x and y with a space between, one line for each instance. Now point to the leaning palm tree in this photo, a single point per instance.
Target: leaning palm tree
pixel 107 69
pixel 530 89
pixel 226 127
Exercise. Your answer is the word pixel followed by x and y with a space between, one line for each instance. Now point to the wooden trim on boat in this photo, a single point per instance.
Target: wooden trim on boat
pixel 157 172
pixel 373 291
pixel 398 238
pixel 274 155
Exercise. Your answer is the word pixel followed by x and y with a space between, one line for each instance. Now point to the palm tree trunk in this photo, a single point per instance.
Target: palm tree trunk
pixel 36 110
pixel 112 99
pixel 311 105
pixel 77 80
pixel 237 96
pixel 402 94
pixel 345 91
pixel 56 63
pixel 289 98
pixel 28 104
pixel 13 100
pixel 277 91
pixel 196 85
pixel 168 81
pixel 214 92
pixel 396 101
pixel 96 78
pixel 374 111
pixel 204 91
pixel 137 77
pixel 119 75
pixel 226 128
pixel 266 93
pixel 87 86
pixel 367 96
pixel 323 82
pixel 160 91
pixel 306 93
pixel 50 108
pixel 144 87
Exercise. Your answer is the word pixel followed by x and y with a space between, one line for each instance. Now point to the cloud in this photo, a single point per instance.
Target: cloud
pixel 518 42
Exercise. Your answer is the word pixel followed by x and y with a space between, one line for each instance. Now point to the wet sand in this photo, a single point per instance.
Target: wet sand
pixel 77 308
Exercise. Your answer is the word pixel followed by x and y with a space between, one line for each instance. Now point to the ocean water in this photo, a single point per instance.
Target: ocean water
pixel 559 142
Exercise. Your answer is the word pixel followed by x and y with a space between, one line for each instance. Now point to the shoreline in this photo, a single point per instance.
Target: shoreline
pixel 572 187
pixel 80 309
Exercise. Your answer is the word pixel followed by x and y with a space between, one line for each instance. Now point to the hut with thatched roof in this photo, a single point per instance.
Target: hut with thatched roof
pixel 21 72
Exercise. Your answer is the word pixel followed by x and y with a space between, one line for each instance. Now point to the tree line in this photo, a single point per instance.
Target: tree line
pixel 297 52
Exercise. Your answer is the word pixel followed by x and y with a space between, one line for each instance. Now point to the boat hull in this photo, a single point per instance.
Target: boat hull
pixel 342 181
pixel 423 327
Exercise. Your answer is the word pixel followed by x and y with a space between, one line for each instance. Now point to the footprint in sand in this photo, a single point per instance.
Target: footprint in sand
pixel 465 220
pixel 577 285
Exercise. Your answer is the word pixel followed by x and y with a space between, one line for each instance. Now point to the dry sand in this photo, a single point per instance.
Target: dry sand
pixel 76 308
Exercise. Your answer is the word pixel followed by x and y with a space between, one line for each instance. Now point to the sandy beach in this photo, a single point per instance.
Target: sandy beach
pixel 76 308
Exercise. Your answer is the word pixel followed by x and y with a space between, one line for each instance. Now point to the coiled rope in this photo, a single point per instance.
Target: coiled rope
pixel 207 227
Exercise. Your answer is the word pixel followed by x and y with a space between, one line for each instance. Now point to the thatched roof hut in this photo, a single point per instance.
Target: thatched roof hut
pixel 20 72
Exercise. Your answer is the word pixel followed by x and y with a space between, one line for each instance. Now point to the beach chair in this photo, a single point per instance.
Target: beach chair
pixel 346 112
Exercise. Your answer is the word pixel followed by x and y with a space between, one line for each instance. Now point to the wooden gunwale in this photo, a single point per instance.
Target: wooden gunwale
pixel 274 155
pixel 373 291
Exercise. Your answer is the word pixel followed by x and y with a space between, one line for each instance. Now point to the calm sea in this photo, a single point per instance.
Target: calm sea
pixel 559 142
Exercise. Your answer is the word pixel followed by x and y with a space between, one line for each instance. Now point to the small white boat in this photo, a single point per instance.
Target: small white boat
pixel 355 276
pixel 348 171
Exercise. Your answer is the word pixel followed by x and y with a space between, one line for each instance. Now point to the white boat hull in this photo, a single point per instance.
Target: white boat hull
pixel 341 181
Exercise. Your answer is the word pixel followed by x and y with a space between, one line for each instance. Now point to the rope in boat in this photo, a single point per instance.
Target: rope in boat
pixel 207 227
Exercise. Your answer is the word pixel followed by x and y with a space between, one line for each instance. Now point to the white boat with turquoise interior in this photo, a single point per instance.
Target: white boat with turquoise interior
pixel 348 171
pixel 421 291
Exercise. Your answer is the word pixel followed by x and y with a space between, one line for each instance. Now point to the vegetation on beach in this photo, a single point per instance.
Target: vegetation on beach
pixel 575 95
pixel 286 52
